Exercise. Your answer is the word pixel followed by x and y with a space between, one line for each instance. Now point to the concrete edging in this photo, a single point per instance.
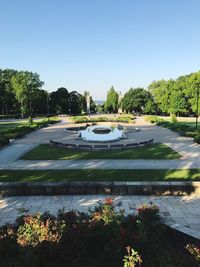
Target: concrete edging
pixel 87 188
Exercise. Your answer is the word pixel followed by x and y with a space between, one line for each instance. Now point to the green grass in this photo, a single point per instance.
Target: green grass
pixel 190 123
pixel 98 175
pixel 17 129
pixel 4 126
pixel 155 151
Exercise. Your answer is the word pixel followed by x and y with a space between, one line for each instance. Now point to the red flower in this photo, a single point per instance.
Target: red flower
pixel 109 201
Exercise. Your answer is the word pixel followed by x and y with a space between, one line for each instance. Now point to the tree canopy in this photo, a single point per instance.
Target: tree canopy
pixel 135 100
pixel 21 93
pixel 111 104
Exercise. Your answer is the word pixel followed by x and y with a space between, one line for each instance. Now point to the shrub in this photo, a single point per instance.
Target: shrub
pixel 190 133
pixel 174 118
pixel 194 250
pixel 96 238
pixel 3 140
pixel 98 119
pixel 80 119
pixel 105 213
pixel 30 120
pixel 125 119
pixel 37 228
pixel 197 139
pixel 132 258
pixel 148 213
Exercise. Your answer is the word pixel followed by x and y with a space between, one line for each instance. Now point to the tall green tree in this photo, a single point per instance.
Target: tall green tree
pixel 8 101
pixel 150 107
pixel 111 104
pixel 59 101
pixel 161 91
pixel 74 103
pixel 193 91
pixel 25 84
pixel 135 100
pixel 177 99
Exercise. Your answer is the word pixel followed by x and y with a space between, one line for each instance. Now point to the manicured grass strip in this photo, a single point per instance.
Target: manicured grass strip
pixel 98 175
pixel 155 151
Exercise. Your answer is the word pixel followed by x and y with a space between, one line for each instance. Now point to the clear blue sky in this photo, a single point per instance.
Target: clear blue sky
pixel 93 44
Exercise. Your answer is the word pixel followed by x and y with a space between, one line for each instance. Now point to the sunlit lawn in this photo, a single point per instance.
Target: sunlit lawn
pixel 8 125
pixel 154 151
pixel 98 175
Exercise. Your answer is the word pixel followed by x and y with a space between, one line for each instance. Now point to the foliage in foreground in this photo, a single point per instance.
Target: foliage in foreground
pixel 102 237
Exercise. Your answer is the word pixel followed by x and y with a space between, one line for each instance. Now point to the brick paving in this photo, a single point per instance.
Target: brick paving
pixel 180 212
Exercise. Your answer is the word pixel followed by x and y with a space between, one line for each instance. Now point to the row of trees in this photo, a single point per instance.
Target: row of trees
pixel 21 92
pixel 180 97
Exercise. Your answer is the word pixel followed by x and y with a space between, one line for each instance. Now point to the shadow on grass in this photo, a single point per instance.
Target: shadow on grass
pixel 154 151
pixel 99 175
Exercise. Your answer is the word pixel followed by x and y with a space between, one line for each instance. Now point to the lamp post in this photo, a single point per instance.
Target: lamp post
pixel 48 98
pixel 197 113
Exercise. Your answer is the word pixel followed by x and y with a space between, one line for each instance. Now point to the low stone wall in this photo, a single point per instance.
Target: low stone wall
pixel 87 188
pixel 102 146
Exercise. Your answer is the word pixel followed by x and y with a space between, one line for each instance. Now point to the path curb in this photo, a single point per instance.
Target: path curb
pixel 110 188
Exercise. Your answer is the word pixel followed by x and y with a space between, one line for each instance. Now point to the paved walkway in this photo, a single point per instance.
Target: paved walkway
pixel 181 213
pixel 100 164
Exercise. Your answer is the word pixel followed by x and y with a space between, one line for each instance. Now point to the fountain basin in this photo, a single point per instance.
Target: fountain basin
pixel 101 133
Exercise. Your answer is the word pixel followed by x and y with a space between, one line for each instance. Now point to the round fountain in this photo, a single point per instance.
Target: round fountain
pixel 101 133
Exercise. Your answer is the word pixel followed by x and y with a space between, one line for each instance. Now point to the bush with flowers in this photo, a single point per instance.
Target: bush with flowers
pixel 100 237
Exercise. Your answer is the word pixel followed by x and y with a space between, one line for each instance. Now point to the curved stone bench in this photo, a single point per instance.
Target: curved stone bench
pixel 64 145
pixel 101 147
pixel 146 142
pixel 85 147
pixel 120 146
pixel 131 145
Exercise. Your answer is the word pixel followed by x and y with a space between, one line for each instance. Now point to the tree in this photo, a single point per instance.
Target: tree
pixel 40 103
pixel 150 107
pixel 161 91
pixel 111 104
pixel 59 101
pixel 8 102
pixel 74 103
pixel 25 84
pixel 193 91
pixel 177 100
pixel 135 100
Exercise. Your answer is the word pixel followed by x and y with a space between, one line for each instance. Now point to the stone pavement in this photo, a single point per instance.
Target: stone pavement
pixel 179 212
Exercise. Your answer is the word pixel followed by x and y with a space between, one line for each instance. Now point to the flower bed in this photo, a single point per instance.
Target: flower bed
pixel 102 237
pixel 122 119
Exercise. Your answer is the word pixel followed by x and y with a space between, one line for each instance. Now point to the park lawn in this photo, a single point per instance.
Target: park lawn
pixel 17 129
pixel 190 123
pixel 8 125
pixel 154 151
pixel 98 175
pixel 4 126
